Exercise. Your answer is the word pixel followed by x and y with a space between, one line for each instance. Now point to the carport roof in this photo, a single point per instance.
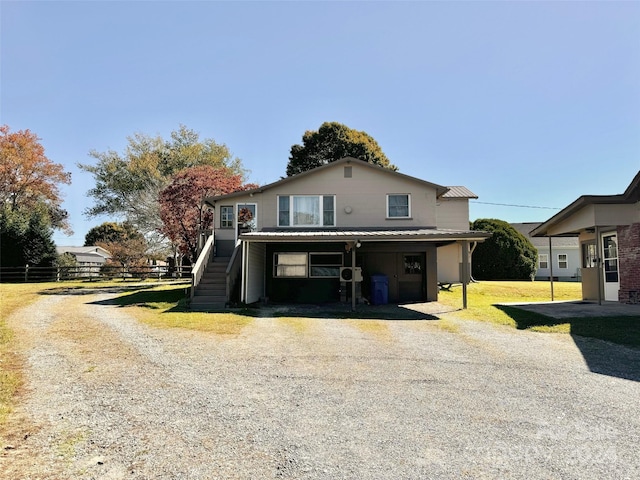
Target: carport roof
pixel 365 235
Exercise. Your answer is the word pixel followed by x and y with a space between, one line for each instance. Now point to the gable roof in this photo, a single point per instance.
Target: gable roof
pixel 440 189
pixel 92 249
pixel 630 195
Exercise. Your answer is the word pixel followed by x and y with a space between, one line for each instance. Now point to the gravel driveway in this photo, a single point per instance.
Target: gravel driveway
pixel 108 398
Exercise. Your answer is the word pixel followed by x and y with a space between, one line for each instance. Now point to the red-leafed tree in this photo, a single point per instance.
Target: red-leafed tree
pixel 181 208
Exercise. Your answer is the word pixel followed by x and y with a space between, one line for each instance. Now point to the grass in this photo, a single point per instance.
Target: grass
pixel 166 307
pixel 12 297
pixel 483 298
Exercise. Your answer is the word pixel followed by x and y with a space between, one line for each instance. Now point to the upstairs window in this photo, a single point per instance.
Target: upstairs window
pixel 226 217
pixel 398 206
pixel 306 211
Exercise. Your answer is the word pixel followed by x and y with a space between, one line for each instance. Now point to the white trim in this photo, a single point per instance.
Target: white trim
pixel 566 261
pixel 320 197
pixel 408 195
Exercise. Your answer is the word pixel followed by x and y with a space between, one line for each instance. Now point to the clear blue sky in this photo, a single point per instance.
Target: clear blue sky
pixel 525 103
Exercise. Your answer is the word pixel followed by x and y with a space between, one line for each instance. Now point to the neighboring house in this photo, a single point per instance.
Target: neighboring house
pixel 308 231
pixel 91 256
pixel 563 258
pixel 608 229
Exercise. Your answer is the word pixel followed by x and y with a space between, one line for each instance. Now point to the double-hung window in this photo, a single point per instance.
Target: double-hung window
pixel 306 210
pixel 543 260
pixel 398 206
pixel 563 260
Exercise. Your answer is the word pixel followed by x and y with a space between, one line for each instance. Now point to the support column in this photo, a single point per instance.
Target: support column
pixel 551 268
pixel 353 277
pixel 465 271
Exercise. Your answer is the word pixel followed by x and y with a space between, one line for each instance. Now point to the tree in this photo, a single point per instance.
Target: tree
pixel 109 232
pixel 181 209
pixel 28 179
pixel 128 185
pixel 26 240
pixel 506 255
pixel 331 142
pixel 126 245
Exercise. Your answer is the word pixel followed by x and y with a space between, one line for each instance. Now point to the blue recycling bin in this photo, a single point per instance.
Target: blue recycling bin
pixel 379 289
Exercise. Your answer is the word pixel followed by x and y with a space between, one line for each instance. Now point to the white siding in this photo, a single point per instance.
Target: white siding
pixel 449 260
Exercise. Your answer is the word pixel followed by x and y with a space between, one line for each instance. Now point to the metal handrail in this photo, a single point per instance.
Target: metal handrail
pixel 201 264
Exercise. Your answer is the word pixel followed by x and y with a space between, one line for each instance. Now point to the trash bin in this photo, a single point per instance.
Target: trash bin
pixel 379 289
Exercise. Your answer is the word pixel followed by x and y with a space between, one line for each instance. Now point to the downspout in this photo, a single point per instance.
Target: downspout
pixel 551 267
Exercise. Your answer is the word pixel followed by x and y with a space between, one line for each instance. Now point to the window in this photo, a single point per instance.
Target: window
pixel 290 265
pixel 589 257
pixel 246 215
pixel 325 264
pixel 412 264
pixel 398 206
pixel 306 210
pixel 563 261
pixel 543 260
pixel 226 217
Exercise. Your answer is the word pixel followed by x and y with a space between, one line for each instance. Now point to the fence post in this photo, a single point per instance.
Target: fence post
pixel 58 274
pixel 26 273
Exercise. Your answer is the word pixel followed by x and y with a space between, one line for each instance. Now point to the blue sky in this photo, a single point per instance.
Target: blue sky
pixel 524 103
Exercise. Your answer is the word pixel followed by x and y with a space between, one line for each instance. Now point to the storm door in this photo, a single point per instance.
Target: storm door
pixel 610 266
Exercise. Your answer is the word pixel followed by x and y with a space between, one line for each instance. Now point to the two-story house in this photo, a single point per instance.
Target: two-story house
pixel 308 235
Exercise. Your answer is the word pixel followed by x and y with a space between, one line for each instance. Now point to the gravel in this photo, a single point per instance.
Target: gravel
pixel 108 398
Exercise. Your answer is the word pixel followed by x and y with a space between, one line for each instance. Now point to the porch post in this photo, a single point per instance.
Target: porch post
pixel 243 273
pixel 465 271
pixel 353 277
pixel 551 267
pixel 599 264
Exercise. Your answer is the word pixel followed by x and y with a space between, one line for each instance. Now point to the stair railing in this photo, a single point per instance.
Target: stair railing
pixel 201 264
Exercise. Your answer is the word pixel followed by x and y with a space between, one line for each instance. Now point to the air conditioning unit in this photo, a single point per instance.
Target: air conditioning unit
pixel 347 274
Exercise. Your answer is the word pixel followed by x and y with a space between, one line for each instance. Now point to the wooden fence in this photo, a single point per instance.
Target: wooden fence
pixel 29 274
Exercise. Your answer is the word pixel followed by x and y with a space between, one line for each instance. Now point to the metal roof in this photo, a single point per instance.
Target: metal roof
pixel 365 235
pixel 459 192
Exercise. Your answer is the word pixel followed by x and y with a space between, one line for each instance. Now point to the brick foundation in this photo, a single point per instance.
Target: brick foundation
pixel 629 263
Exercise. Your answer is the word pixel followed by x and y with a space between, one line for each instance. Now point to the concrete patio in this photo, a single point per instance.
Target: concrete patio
pixel 579 309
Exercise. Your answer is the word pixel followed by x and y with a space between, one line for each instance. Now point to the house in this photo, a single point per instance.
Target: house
pixel 91 256
pixel 608 229
pixel 305 237
pixel 562 258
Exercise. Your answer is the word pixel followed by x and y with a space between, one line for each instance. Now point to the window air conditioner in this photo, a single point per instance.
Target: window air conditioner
pixel 346 274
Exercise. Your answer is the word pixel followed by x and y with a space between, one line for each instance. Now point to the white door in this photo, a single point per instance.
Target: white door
pixel 610 266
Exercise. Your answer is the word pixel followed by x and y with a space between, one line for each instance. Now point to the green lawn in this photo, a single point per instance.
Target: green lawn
pixel 484 297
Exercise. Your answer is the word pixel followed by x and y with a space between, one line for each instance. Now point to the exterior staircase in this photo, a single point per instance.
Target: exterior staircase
pixel 211 292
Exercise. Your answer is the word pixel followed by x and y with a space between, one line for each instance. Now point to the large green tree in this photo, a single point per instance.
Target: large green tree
pixel 128 184
pixel 26 239
pixel 331 142
pixel 506 255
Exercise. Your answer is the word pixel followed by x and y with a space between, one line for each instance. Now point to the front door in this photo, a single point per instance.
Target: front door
pixel 246 218
pixel 405 271
pixel 610 266
pixel 411 275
